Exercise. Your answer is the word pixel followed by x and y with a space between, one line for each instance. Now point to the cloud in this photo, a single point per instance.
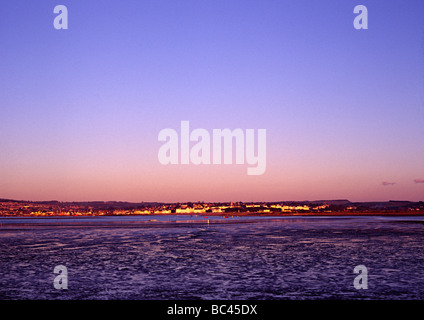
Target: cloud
pixel 419 180
pixel 384 183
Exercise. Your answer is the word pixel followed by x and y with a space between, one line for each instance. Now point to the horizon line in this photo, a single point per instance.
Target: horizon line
pixel 203 201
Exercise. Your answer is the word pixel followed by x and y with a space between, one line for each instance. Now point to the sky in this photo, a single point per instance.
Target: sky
pixel 81 108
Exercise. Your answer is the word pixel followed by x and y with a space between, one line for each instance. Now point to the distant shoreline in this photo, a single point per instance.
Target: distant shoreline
pixel 239 214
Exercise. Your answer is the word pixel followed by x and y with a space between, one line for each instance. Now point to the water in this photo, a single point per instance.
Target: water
pixel 193 257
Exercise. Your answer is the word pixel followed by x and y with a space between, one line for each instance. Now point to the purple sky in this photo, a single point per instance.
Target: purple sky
pixel 81 109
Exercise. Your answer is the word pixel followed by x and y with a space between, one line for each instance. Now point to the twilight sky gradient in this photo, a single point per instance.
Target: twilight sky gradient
pixel 81 109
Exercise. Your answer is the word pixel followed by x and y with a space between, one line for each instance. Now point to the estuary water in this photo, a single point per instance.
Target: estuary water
pixel 196 257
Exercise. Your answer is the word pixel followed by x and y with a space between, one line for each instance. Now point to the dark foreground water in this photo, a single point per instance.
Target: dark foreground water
pixel 216 258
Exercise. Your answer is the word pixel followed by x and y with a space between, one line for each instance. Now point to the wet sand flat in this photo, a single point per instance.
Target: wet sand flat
pixel 216 258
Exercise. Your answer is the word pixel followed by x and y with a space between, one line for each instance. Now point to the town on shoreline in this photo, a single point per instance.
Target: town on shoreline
pixel 21 208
